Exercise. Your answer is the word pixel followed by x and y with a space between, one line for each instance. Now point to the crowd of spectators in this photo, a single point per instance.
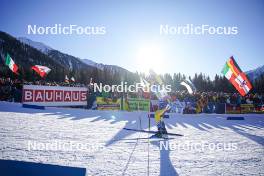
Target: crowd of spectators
pixel 11 90
pixel 220 97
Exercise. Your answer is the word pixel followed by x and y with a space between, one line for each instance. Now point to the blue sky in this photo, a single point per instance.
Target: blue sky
pixel 133 39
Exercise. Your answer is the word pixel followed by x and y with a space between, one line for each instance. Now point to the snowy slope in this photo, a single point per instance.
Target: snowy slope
pixel 92 63
pixel 68 60
pixel 256 73
pixel 38 45
pixel 120 152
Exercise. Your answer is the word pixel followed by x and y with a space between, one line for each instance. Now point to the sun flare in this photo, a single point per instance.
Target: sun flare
pixel 150 56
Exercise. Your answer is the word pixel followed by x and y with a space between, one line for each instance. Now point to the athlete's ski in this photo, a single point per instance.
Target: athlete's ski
pixel 152 132
pixel 145 138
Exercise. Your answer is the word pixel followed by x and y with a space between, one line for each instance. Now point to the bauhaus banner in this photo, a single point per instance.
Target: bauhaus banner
pixel 54 95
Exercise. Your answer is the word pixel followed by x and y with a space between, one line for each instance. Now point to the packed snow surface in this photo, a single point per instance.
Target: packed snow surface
pixel 211 145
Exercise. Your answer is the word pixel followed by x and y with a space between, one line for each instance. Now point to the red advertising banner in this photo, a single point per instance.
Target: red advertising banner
pixel 233 109
pixel 54 95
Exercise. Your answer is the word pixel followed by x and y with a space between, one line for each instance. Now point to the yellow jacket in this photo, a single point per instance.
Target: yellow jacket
pixel 159 115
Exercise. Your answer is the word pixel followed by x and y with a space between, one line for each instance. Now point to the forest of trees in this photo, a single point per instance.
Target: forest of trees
pixel 204 83
pixel 62 64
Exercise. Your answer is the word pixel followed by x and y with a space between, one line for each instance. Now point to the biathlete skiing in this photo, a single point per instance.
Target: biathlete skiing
pixel 162 95
pixel 159 119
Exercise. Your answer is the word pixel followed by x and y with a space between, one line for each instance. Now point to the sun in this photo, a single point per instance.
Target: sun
pixel 150 56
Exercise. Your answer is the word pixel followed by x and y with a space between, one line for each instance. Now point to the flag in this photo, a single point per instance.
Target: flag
pixel 188 81
pixel 91 81
pixel 155 79
pixel 66 79
pixel 72 79
pixel 188 87
pixel 145 88
pixel 235 75
pixel 11 64
pixel 145 85
pixel 41 70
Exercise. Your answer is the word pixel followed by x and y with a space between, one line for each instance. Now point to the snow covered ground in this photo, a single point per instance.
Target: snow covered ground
pixel 211 145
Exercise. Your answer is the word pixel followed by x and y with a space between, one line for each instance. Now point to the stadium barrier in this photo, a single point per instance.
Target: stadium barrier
pixel 244 109
pixel 181 107
pixel 233 109
pixel 33 106
pixel 108 103
pixel 218 108
pixel 235 118
pixel 54 95
pixel 136 104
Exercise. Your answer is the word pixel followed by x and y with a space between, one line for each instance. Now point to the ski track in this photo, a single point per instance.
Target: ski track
pixel 18 126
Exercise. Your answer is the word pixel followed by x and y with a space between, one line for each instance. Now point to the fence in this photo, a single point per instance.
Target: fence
pixel 135 104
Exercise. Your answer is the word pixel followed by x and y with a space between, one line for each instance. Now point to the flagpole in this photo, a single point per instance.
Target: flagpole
pixel 149 129
pixel 149 113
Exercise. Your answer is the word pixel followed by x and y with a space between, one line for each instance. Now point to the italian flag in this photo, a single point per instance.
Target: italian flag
pixel 41 70
pixel 11 64
pixel 234 74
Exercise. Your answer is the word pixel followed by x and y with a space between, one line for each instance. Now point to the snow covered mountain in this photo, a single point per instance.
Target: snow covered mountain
pixel 27 53
pixel 255 73
pixel 38 45
pixel 70 62
pixel 65 58
pixel 92 63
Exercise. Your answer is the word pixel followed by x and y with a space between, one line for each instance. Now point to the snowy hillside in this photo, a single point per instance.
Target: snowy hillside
pixel 71 62
pixel 38 45
pixel 92 63
pixel 256 73
pixel 110 150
